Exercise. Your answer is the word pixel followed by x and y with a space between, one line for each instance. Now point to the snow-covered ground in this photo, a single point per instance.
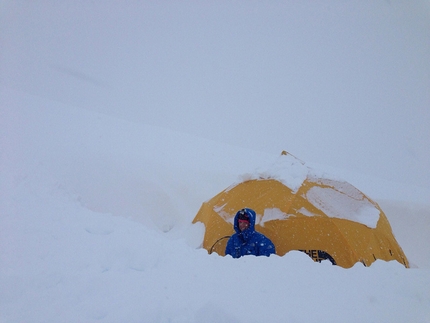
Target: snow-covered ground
pixel 118 120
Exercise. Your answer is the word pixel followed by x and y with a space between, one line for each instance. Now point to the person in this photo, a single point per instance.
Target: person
pixel 247 241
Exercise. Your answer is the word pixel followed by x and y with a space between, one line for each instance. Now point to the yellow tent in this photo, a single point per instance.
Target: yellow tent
pixel 298 210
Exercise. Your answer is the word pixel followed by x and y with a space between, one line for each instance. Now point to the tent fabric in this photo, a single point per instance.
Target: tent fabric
pixel 327 219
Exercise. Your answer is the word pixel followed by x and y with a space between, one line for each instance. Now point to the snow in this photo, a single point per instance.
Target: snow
pixel 336 199
pixel 117 121
pixel 271 214
pixel 287 169
pixel 337 204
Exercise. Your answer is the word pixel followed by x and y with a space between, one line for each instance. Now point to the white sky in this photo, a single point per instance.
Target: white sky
pixel 341 84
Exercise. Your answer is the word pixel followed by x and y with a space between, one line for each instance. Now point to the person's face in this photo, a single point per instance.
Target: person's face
pixel 243 225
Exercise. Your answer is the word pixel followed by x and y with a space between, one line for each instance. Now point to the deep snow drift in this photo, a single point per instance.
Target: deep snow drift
pixel 118 120
pixel 65 257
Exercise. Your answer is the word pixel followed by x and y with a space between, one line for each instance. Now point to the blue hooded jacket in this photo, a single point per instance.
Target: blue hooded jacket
pixel 248 242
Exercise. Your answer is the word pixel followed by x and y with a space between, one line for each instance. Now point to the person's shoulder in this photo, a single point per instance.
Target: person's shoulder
pixel 261 236
pixel 233 236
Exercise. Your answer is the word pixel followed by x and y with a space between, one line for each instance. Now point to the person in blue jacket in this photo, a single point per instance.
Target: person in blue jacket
pixel 247 241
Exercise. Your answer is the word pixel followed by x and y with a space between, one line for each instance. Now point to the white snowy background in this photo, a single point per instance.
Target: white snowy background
pixel 119 118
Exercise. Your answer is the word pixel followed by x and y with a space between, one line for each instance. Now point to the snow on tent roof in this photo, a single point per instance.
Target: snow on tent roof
pixel 336 198
pixel 287 169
